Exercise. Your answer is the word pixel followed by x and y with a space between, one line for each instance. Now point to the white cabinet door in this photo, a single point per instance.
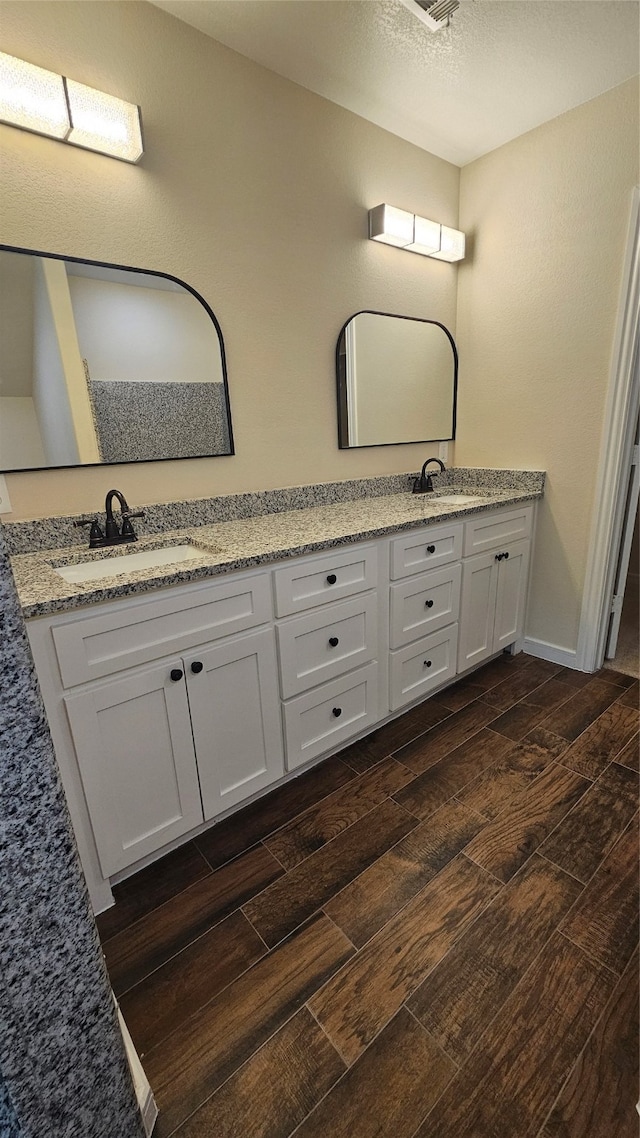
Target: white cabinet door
pixel 493 602
pixel 235 712
pixel 477 610
pixel 511 594
pixel 135 751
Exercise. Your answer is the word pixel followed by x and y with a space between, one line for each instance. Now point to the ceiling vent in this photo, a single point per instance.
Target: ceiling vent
pixel 434 14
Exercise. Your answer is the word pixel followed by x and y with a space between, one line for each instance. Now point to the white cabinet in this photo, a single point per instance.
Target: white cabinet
pixel 151 751
pixel 235 712
pixel 134 748
pixel 169 711
pixel 494 587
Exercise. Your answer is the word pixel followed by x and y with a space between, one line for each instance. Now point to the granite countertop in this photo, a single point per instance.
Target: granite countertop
pixel 241 544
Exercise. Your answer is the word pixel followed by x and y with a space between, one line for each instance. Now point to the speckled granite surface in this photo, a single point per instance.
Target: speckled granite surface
pixel 62 1061
pixel 243 544
pixel 159 420
pixel 57 532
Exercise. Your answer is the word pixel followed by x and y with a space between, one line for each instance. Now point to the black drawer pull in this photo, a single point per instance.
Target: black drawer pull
pixel 337 711
pixel 506 555
pixel 499 556
pixel 331 579
pixel 197 666
pixel 429 604
pixel 333 641
pixel 176 674
pixel 427 663
pixel 431 549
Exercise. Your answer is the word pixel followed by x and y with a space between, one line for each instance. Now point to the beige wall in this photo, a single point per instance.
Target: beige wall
pixel 256 193
pixel 538 298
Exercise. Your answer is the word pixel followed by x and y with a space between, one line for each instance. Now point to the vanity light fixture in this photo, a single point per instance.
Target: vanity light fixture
pixel 391 225
pixel 43 102
pixel 417 234
pixel 451 245
pixel 426 236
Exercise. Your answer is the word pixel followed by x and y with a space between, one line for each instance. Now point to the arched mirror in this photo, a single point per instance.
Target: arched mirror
pixel 397 380
pixel 105 364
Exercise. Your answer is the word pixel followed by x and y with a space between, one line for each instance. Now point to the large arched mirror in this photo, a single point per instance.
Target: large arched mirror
pixel 104 364
pixel 397 380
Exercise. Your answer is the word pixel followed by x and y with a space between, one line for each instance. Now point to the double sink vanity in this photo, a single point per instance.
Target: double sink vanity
pixel 186 674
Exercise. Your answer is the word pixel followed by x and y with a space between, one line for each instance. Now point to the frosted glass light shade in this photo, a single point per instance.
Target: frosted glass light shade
pixel 391 225
pixel 104 123
pixel 32 98
pixel 451 245
pixel 426 236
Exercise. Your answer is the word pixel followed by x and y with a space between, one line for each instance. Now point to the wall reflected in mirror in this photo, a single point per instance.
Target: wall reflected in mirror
pixel 397 381
pixel 103 364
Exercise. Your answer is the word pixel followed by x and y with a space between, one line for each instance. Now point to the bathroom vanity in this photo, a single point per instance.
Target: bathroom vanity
pixel 175 695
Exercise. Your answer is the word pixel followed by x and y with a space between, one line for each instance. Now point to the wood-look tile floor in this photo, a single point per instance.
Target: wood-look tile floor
pixel 432 935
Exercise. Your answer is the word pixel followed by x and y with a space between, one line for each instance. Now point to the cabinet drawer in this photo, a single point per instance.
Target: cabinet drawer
pixel 313 581
pixel 427 549
pixel 423 666
pixel 328 716
pixel 93 646
pixel 496 529
pixel 423 604
pixel 321 645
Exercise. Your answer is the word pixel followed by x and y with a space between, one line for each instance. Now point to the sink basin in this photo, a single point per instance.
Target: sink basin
pixel 455 499
pixel 128 562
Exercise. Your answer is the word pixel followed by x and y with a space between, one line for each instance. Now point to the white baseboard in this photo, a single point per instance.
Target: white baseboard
pixel 551 652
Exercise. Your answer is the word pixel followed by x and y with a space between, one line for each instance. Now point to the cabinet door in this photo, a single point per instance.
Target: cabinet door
pixel 135 752
pixel 477 610
pixel 235 712
pixel 511 594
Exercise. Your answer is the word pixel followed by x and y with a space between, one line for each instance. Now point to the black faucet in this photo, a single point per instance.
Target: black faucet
pixel 112 534
pixel 423 484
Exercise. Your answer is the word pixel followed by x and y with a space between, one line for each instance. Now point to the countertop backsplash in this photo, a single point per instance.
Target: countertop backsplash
pixel 59 532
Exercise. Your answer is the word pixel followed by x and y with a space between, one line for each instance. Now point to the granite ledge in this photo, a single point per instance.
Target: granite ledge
pixel 244 544
pixel 29 536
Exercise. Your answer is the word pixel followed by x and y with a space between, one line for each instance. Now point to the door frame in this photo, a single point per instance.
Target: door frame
pixel 621 411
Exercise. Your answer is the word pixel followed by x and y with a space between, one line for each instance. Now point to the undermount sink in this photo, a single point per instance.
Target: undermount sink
pixel 127 563
pixel 455 499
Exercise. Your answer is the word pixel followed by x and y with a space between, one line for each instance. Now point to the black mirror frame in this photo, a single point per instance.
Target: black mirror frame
pixel 145 273
pixel 341 381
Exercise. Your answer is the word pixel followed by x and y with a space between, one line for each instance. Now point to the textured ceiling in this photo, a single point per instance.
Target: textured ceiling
pixel 500 69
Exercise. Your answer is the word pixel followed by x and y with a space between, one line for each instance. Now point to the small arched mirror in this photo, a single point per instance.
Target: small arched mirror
pixel 397 381
pixel 106 364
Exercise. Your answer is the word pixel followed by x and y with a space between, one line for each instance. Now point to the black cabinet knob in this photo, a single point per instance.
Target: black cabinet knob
pixel 176 674
pixel 506 555
pixel 331 579
pixel 427 663
pixel 431 549
pixel 197 666
pixel 337 711
pixel 499 556
pixel 333 641
pixel 429 604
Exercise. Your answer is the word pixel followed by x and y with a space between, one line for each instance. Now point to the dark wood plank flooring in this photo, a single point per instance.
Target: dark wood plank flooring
pixel 432 935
